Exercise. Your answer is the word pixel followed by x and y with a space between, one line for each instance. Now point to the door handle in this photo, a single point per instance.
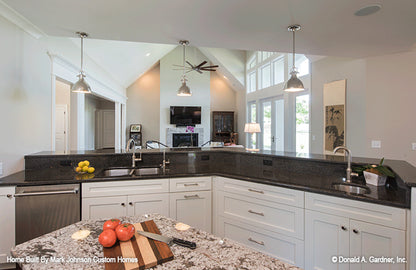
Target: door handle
pixel 256 213
pixel 191 196
pixel 272 138
pixel 255 241
pixel 72 191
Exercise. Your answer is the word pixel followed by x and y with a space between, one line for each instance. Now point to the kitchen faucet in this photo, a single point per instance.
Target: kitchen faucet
pixel 133 159
pixel 165 162
pixel 349 160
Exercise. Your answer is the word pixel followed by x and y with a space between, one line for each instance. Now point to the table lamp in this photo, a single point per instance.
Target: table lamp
pixel 252 128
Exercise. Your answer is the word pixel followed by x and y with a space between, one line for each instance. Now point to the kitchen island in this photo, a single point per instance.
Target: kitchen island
pixel 211 253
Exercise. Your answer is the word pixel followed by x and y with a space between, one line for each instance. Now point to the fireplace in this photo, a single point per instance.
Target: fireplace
pixel 184 139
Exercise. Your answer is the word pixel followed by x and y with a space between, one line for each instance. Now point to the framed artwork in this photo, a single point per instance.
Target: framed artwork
pixel 334 116
pixel 136 128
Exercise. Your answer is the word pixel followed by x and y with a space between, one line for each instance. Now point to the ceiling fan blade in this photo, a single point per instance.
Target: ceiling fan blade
pixel 189 71
pixel 200 65
pixel 215 66
pixel 209 69
pixel 177 65
pixel 192 66
pixel 199 71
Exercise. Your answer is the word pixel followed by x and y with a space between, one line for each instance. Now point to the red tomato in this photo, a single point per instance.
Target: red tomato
pixel 111 224
pixel 107 238
pixel 125 231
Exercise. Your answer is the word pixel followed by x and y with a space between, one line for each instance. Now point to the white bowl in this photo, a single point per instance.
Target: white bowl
pixel 375 179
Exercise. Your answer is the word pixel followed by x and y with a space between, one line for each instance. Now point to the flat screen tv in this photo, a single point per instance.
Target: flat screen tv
pixel 185 115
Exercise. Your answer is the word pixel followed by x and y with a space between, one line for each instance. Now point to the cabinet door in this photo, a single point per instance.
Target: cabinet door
pixel 325 236
pixel 104 207
pixel 7 219
pixel 193 208
pixel 374 240
pixel 148 203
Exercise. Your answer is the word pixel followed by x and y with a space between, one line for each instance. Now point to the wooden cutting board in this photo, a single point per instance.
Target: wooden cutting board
pixel 148 252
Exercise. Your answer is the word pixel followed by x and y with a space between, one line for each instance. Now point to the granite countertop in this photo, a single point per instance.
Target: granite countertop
pixel 211 253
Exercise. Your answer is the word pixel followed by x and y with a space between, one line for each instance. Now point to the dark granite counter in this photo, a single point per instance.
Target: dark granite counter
pixel 313 173
pixel 211 253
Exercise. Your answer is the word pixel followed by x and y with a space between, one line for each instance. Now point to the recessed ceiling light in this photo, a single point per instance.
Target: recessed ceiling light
pixel 368 10
pixel 148 54
pixel 225 77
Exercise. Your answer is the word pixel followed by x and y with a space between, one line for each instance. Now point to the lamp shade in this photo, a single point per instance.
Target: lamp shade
pixel 184 90
pixel 81 86
pixel 294 84
pixel 252 128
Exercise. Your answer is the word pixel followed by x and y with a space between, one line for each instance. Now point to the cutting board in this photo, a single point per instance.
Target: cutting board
pixel 148 252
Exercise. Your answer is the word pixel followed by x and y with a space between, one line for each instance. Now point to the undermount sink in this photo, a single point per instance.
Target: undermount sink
pixel 147 171
pixel 351 188
pixel 131 172
pixel 117 172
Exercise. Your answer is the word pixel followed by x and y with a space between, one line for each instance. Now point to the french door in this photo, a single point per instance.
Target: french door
pixel 272 124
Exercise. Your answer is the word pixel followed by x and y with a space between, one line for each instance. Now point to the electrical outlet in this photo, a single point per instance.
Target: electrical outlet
pixel 1 168
pixel 414 146
pixel 375 144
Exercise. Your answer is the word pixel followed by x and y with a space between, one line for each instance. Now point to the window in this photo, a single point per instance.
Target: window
pixel 301 63
pixel 265 55
pixel 279 70
pixel 252 118
pixel 251 82
pixel 265 72
pixel 267 125
pixel 302 124
pixel 252 63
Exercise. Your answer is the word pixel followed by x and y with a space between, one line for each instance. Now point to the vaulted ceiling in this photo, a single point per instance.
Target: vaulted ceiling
pixel 329 27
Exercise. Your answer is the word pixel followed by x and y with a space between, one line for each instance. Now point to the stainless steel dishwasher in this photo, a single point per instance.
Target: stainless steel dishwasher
pixel 43 209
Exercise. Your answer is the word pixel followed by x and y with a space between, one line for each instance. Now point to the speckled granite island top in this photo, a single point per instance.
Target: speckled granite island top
pixel 211 253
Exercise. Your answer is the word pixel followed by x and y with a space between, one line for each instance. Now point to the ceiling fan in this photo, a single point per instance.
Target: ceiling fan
pixel 198 68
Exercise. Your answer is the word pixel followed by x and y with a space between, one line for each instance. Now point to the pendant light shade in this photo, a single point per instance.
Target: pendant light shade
pixel 184 90
pixel 81 86
pixel 294 84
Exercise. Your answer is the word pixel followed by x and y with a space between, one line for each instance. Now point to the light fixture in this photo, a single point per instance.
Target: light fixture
pixel 293 84
pixel 252 128
pixel 148 54
pixel 184 90
pixel 81 86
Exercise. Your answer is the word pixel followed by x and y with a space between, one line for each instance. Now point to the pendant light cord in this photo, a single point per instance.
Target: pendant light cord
pixel 183 63
pixel 293 52
pixel 82 53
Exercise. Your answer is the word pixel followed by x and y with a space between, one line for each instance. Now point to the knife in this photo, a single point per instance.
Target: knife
pixel 168 240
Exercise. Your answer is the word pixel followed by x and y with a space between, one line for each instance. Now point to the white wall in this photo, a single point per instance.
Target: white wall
pixel 170 81
pixel 380 97
pixel 354 71
pixel 25 97
pixel 143 104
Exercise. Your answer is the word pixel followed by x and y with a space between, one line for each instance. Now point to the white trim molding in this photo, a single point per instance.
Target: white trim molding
pixel 17 19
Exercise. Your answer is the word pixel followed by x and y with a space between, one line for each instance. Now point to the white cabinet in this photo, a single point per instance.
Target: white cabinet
pixel 125 198
pixel 332 229
pixel 7 219
pixel 325 236
pixel 267 218
pixel 373 240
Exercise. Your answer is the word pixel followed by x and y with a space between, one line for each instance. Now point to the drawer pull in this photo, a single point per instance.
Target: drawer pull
pixel 130 203
pixel 191 196
pixel 343 228
pixel 123 204
pixel 257 191
pixel 190 185
pixel 355 231
pixel 9 196
pixel 256 213
pixel 255 241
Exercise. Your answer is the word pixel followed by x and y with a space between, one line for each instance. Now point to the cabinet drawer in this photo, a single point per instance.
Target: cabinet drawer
pixel 100 189
pixel 280 218
pixel 190 184
pixel 369 212
pixel 284 248
pixel 105 207
pixel 261 191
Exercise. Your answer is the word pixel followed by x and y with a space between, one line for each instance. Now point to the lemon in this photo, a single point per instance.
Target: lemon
pixel 78 169
pixel 91 169
pixel 86 163
pixel 81 164
pixel 85 168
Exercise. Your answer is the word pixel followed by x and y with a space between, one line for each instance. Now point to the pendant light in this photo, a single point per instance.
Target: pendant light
pixel 294 84
pixel 81 86
pixel 184 90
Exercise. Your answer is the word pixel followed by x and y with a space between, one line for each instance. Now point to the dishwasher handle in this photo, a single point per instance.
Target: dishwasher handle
pixel 72 191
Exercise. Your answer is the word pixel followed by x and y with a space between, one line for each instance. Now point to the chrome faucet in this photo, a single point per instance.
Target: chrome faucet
pixel 165 162
pixel 133 159
pixel 349 160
